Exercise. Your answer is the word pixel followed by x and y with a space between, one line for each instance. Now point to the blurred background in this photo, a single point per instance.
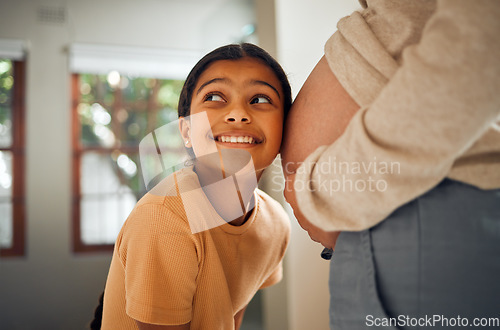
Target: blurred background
pixel 81 83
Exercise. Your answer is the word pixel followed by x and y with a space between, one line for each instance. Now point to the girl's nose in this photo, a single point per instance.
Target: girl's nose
pixel 238 116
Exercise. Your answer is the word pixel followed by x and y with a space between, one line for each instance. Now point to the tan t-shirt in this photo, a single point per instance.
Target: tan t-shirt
pixel 426 75
pixel 161 273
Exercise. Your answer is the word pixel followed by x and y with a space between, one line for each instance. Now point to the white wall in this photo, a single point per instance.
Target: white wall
pixel 52 288
pixel 302 30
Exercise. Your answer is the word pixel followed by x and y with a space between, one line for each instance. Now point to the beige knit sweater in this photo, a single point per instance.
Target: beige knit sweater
pixel 427 77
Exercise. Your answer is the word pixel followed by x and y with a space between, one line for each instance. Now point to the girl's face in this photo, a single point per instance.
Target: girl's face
pixel 243 101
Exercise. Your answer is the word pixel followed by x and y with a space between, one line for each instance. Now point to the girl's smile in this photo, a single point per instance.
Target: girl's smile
pixel 238 139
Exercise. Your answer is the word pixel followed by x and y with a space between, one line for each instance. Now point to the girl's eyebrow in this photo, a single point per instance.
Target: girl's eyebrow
pixel 260 82
pixel 211 82
pixel 226 81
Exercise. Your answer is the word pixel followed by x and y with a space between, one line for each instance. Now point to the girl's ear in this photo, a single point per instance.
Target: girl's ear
pixel 184 128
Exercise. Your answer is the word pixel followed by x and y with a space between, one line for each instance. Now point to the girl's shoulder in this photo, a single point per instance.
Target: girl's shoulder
pixel 155 214
pixel 167 187
pixel 168 190
pixel 162 206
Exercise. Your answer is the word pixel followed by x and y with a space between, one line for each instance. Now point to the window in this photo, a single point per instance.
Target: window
pixel 12 201
pixel 119 95
pixel 111 114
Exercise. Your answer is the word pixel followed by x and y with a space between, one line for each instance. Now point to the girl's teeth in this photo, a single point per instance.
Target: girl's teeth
pixel 236 139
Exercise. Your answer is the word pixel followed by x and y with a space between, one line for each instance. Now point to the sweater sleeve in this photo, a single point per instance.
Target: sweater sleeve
pixel 435 106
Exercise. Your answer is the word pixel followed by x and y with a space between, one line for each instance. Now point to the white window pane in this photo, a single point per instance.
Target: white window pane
pixel 102 216
pixel 6 89
pixel 97 174
pixel 5 128
pixel 89 220
pixel 5 224
pixel 5 174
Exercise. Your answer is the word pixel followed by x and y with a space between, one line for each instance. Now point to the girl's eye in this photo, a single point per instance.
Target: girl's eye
pixel 260 99
pixel 214 98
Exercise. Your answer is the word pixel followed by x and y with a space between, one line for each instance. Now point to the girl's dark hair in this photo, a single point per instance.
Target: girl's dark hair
pixel 232 52
pixel 95 324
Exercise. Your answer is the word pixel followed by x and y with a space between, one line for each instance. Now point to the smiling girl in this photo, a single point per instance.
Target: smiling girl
pixel 166 275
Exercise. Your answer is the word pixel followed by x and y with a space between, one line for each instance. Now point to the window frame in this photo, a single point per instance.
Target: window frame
pixel 18 247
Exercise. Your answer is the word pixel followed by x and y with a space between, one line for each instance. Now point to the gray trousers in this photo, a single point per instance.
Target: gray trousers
pixel 433 263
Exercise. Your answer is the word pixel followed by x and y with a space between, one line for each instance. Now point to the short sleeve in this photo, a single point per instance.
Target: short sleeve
pixel 160 261
pixel 274 278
